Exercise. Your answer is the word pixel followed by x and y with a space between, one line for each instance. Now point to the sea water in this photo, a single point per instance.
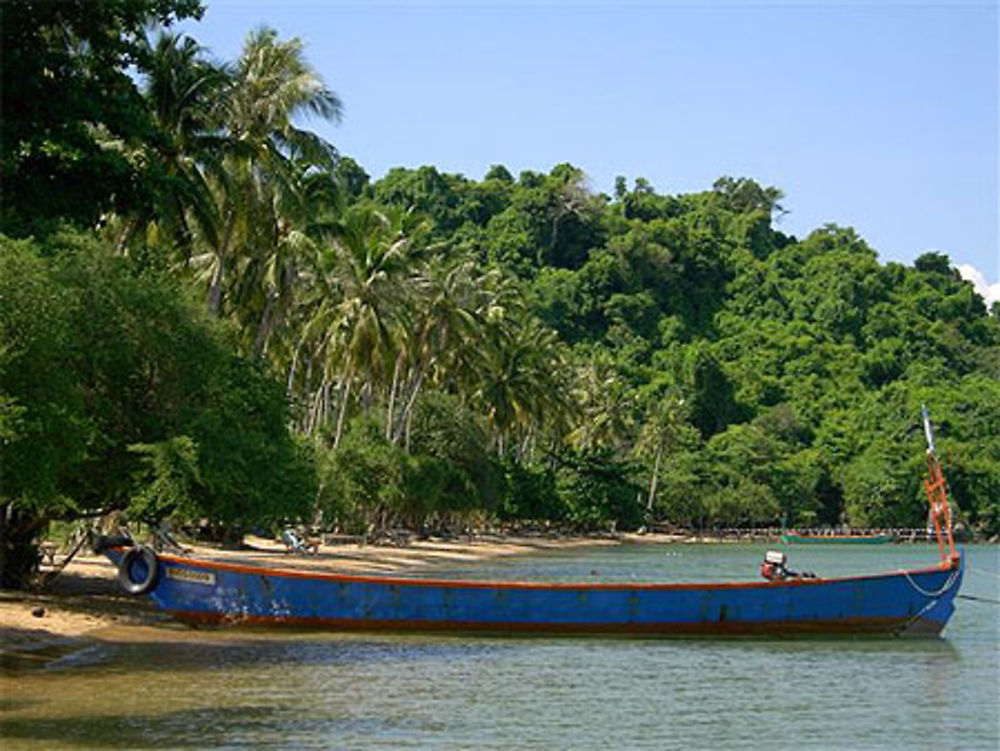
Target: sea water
pixel 177 688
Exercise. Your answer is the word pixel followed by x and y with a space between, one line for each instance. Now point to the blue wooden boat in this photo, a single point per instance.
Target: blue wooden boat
pixel 897 603
pixel 198 591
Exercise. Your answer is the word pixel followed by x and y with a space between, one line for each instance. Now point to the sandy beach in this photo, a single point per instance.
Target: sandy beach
pixel 84 602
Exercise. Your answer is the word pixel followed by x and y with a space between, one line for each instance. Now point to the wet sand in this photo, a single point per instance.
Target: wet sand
pixel 85 603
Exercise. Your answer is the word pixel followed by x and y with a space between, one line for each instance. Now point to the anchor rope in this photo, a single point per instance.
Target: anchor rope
pixel 979 599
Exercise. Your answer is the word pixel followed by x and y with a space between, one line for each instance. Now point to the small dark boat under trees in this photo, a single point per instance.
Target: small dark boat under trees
pixel 897 603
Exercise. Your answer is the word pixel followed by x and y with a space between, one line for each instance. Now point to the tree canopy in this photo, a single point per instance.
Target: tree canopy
pixel 242 328
pixel 66 96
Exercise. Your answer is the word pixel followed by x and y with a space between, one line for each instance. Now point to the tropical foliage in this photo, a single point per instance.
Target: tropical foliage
pixel 210 314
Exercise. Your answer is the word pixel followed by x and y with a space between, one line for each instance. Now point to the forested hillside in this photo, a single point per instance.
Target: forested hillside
pixel 207 313
pixel 748 377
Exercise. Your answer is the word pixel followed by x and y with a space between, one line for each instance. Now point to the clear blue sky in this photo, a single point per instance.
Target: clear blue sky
pixel 880 116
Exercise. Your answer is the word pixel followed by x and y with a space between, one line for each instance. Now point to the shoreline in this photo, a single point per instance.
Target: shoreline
pixel 84 603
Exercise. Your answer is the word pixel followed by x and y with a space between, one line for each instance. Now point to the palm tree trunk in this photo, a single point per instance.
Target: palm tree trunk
pixel 306 395
pixel 408 422
pixel 312 418
pixel 293 371
pixel 264 327
pixel 392 395
pixel 525 447
pixel 215 290
pixel 407 410
pixel 367 396
pixel 185 238
pixel 325 389
pixel 320 401
pixel 131 227
pixel 344 399
pixel 309 375
pixel 655 478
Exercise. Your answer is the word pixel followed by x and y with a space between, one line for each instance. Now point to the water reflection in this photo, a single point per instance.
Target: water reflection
pixel 228 726
pixel 227 689
pixel 301 651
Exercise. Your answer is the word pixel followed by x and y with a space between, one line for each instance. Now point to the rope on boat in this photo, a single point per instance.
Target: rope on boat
pixel 944 587
pixel 933 596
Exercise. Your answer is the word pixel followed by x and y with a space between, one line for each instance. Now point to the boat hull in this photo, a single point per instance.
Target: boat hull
pixel 214 592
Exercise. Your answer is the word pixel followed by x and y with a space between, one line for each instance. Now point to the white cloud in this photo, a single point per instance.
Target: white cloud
pixel 990 292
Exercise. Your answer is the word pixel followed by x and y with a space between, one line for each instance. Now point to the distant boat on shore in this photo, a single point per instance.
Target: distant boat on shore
pixel 801 538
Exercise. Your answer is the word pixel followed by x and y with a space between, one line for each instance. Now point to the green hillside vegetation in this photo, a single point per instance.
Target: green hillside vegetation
pixel 208 314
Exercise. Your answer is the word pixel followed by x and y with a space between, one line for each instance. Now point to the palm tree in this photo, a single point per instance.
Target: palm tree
pixel 658 436
pixel 606 408
pixel 442 333
pixel 182 89
pixel 358 299
pixel 272 85
pixel 289 233
pixel 522 379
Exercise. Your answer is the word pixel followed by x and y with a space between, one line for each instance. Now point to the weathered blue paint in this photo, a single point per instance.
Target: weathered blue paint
pixel 896 603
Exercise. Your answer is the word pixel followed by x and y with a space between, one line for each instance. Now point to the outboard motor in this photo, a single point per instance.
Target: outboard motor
pixel 773 566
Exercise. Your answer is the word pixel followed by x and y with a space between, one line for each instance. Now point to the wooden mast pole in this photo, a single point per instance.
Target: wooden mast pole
pixel 937 496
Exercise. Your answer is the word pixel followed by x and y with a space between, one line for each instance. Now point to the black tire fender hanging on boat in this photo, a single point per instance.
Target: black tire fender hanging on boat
pixel 125 570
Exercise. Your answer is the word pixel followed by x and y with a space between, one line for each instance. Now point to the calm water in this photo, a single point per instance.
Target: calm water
pixel 224 690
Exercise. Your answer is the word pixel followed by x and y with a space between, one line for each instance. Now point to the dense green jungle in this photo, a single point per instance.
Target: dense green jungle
pixel 210 315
